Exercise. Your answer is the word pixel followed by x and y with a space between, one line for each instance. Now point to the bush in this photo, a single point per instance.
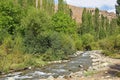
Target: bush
pixel 62 42
pixel 36 26
pixel 87 39
pixel 106 44
pixel 117 43
pixel 78 44
pixel 62 45
pixel 95 46
pixel 107 53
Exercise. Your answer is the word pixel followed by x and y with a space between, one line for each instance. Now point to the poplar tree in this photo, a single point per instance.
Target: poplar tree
pixel 63 7
pixel 96 23
pixel 118 11
pixel 118 8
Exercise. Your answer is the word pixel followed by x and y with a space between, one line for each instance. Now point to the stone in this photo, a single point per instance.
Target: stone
pixel 90 68
pixel 66 77
pixel 94 64
pixel 79 52
pixel 104 64
pixel 81 66
pixel 30 67
pixel 10 78
pixel 95 60
pixel 61 77
pixel 106 72
pixel 108 76
pixel 50 78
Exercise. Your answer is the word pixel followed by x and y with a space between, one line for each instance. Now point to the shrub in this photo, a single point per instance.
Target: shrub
pixel 36 26
pixel 106 44
pixel 78 44
pixel 117 43
pixel 87 39
pixel 62 45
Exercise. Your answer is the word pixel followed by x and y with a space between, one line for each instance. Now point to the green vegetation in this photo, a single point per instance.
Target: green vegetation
pixel 98 32
pixel 89 73
pixel 118 11
pixel 32 33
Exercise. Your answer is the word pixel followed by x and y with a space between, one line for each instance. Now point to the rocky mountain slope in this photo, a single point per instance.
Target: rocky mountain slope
pixel 77 13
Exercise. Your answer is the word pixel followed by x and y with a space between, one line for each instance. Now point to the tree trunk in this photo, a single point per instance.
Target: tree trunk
pixel 36 3
pixel 40 4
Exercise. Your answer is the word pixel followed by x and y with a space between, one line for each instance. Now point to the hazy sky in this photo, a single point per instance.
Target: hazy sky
pixel 108 5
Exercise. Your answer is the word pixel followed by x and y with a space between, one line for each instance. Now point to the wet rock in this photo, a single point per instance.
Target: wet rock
pixel 14 74
pixel 60 61
pixel 81 66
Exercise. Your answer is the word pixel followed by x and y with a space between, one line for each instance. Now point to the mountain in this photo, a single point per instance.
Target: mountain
pixel 77 13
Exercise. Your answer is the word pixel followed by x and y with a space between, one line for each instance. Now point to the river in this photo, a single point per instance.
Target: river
pixel 78 63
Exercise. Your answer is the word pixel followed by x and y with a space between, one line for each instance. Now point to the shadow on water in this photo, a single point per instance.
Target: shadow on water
pixel 114 70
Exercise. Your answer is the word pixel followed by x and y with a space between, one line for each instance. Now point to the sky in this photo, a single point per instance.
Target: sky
pixel 108 5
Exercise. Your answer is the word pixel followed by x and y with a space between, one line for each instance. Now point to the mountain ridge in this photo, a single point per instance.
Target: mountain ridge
pixel 77 13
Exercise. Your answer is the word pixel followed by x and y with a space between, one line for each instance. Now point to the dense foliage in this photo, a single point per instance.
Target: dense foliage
pixel 118 11
pixel 32 32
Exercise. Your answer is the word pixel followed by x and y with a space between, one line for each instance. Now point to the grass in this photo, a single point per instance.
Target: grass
pixel 111 54
pixel 89 73
pixel 116 56
pixel 13 57
pixel 18 62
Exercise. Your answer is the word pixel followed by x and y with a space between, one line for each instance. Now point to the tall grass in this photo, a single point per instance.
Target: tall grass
pixel 12 56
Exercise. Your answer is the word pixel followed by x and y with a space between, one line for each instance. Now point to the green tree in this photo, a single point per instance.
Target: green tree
pixel 118 11
pixel 87 25
pixel 46 6
pixel 63 23
pixel 96 23
pixel 11 15
pixel 63 7
pixel 36 25
pixel 102 32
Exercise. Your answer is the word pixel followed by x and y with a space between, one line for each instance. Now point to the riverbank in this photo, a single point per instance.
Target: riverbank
pixel 109 72
pixel 87 65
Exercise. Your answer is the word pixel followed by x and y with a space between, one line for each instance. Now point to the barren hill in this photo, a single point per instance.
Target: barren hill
pixel 77 13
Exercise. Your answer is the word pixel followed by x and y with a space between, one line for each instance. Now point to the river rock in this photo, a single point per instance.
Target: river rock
pixel 30 67
pixel 105 64
pixel 50 78
pixel 81 66
pixel 79 52
pixel 60 78
pixel 13 74
pixel 10 78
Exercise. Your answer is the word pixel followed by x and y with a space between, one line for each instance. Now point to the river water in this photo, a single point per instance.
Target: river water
pixel 79 63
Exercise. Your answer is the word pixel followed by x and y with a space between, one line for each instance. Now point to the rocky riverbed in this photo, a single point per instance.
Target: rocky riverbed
pixel 89 65
pixel 103 68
